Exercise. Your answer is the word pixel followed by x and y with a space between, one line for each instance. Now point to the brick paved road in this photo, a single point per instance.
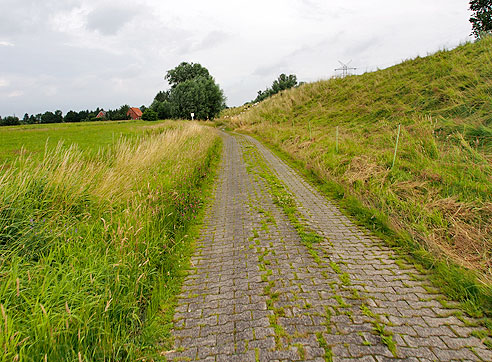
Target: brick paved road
pixel 258 293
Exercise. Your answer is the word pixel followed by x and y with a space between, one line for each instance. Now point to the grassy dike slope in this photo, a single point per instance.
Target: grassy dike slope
pixel 437 199
pixel 92 243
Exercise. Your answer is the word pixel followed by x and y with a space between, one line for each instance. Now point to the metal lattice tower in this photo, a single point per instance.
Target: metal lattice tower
pixel 345 68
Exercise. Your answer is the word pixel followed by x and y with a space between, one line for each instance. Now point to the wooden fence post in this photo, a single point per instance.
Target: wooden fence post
pixel 396 145
pixel 336 144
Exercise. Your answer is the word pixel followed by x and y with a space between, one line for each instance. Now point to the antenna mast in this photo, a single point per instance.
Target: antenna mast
pixel 345 68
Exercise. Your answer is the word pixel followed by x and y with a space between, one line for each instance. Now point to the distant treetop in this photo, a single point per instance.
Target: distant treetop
pixel 186 71
pixel 481 18
pixel 281 83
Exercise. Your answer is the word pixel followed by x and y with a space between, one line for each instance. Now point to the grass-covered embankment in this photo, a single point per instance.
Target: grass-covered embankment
pixel 90 245
pixel 436 202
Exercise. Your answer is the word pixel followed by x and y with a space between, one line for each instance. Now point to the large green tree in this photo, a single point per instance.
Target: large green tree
pixel 481 18
pixel 200 96
pixel 193 90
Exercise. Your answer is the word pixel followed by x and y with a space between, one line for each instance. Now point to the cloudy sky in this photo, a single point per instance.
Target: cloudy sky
pixel 78 54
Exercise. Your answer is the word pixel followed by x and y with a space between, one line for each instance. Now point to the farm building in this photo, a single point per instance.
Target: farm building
pixel 134 113
pixel 101 114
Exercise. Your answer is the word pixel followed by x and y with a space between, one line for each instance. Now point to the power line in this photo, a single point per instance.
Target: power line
pixel 345 68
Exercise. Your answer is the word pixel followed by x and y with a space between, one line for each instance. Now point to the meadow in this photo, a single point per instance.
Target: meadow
pixel 95 235
pixel 435 203
pixel 89 136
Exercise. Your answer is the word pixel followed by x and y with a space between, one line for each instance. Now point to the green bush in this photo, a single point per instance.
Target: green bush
pixel 149 115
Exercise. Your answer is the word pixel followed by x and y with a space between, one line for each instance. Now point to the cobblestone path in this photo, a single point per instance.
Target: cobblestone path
pixel 259 292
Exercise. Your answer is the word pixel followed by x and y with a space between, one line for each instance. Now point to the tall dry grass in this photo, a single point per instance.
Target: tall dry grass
pixel 88 245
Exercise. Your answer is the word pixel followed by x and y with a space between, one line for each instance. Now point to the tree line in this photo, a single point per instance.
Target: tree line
pixel 70 117
pixel 193 90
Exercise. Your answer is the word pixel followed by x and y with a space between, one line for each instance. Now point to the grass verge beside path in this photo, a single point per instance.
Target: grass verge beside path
pixel 91 249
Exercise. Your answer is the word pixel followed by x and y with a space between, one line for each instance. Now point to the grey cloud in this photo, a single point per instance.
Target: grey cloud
pixel 210 41
pixel 25 16
pixel 322 11
pixel 57 59
pixel 359 47
pixel 108 21
pixel 326 42
pixel 311 9
pixel 271 69
pixel 213 39
pixel 61 77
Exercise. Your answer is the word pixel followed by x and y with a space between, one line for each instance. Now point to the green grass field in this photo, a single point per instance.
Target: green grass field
pixel 89 136
pixel 436 202
pixel 95 235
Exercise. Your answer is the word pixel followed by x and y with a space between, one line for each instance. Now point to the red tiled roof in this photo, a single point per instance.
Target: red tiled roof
pixel 137 111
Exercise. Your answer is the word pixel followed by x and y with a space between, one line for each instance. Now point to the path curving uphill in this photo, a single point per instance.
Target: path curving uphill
pixel 272 284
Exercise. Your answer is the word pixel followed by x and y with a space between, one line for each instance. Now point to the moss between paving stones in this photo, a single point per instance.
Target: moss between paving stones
pixel 457 283
pixel 284 199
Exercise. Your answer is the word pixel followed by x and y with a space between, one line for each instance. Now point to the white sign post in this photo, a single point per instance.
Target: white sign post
pixel 192 116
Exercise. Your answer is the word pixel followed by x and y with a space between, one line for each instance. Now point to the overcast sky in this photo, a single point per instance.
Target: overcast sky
pixel 79 54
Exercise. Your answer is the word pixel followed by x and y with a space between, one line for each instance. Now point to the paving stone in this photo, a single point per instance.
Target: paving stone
pixel 484 354
pixel 420 352
pixel 431 341
pixel 460 355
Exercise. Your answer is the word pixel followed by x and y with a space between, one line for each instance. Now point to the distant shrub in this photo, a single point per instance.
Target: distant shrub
pixel 149 115
pixel 9 121
pixel 281 83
